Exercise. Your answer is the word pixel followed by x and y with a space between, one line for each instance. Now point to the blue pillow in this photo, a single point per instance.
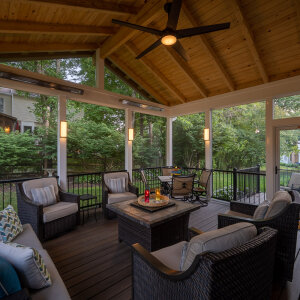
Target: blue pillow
pixel 9 280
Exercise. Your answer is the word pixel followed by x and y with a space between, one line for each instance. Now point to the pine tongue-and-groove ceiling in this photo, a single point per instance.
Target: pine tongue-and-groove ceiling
pixel 262 44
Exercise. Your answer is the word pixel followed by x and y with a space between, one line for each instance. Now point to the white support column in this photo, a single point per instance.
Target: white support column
pixel 61 144
pixel 270 150
pixel 99 70
pixel 208 149
pixel 128 144
pixel 169 144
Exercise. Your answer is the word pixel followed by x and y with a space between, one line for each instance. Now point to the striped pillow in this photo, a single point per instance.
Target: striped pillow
pixel 44 196
pixel 117 185
pixel 10 224
pixel 28 263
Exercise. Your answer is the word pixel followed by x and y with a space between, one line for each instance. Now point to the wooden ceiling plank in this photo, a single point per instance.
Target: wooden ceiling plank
pixel 208 49
pixel 94 5
pixel 146 15
pixel 43 47
pixel 156 72
pixel 297 6
pixel 247 33
pixel 137 79
pixel 45 28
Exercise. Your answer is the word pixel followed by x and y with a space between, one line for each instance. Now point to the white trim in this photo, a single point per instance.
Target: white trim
pixel 128 144
pixel 169 142
pixel 208 150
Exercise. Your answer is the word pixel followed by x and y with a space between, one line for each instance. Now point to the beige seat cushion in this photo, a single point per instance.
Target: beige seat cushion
pixel 170 256
pixel 280 201
pixel 119 197
pixel 59 210
pixel 28 238
pixel 261 210
pixel 217 241
pixel 58 289
pixel 40 183
pixel 115 175
pixel 238 214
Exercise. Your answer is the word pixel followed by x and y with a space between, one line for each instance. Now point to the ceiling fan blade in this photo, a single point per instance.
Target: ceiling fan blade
pixel 182 33
pixel 180 50
pixel 150 48
pixel 137 27
pixel 174 14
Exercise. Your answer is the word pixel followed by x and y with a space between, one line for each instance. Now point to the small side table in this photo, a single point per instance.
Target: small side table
pixel 87 202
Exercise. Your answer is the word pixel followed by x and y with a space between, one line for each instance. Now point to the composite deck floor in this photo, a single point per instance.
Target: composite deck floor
pixel 94 265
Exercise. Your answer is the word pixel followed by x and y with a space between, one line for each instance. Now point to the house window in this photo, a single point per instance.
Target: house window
pixel 28 128
pixel 1 105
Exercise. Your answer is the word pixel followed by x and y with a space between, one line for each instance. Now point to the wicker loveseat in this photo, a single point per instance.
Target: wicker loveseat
pixel 50 221
pixel 242 272
pixel 285 221
pixel 109 195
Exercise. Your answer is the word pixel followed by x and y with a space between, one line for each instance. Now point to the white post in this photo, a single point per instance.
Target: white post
pixel 128 144
pixel 270 150
pixel 208 150
pixel 169 144
pixel 61 144
pixel 99 70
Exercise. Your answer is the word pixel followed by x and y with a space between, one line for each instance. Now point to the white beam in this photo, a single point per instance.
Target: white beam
pixel 128 144
pixel 270 150
pixel 61 145
pixel 99 70
pixel 208 150
pixel 169 143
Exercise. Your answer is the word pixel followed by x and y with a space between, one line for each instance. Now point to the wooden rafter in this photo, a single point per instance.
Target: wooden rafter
pixel 246 30
pixel 137 79
pixel 208 49
pixel 145 16
pixel 156 72
pixel 185 68
pixel 94 5
pixel 43 47
pixel 43 28
pixel 297 6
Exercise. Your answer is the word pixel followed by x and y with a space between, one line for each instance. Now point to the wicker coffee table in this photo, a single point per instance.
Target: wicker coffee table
pixel 153 230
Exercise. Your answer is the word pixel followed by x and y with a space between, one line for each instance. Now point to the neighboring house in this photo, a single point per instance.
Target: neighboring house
pixel 19 108
pixel 293 158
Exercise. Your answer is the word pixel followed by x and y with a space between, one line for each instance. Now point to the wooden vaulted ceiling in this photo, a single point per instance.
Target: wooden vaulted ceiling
pixel 262 45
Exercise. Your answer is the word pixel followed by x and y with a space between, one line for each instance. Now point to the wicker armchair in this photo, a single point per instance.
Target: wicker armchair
pixel 286 222
pixel 108 196
pixel 182 186
pixel 33 213
pixel 243 272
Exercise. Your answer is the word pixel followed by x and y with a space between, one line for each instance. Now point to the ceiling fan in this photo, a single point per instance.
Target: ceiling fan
pixel 170 35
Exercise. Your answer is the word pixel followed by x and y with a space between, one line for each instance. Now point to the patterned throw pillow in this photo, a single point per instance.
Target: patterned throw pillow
pixel 28 263
pixel 117 185
pixel 10 224
pixel 44 196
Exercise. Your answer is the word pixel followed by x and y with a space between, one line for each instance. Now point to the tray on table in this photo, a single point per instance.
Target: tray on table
pixel 152 205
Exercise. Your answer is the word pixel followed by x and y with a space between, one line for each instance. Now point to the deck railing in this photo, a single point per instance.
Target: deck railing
pixel 246 185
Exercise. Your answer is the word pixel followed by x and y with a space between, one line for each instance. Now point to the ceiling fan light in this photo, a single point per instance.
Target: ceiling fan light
pixel 169 40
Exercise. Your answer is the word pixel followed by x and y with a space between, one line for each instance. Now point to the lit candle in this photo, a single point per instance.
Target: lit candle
pixel 157 194
pixel 147 194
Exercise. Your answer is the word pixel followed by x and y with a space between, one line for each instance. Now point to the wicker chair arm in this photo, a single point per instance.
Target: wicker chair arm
pixel 68 197
pixel 20 295
pixel 133 189
pixel 244 208
pixel 226 220
pixel 153 261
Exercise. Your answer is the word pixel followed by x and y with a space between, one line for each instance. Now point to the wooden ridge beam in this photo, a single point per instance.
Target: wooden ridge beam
pixel 44 28
pixel 208 49
pixel 156 72
pixel 247 33
pixel 129 72
pixel 185 68
pixel 145 16
pixel 94 5
pixel 43 47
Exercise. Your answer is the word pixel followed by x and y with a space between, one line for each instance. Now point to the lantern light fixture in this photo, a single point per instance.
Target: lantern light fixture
pixel 130 134
pixel 7 129
pixel 63 129
pixel 206 134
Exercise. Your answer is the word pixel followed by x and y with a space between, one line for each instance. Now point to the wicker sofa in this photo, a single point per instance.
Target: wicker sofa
pixel 285 221
pixel 242 272
pixel 109 196
pixel 63 215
